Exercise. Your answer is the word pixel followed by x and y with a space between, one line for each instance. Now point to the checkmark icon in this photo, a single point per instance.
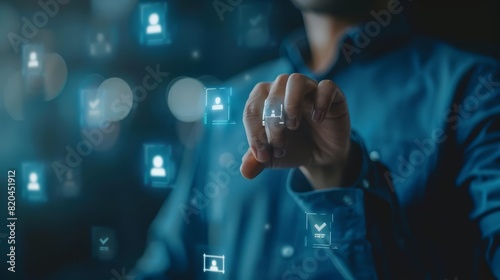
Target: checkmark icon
pixel 94 103
pixel 254 21
pixel 104 241
pixel 319 228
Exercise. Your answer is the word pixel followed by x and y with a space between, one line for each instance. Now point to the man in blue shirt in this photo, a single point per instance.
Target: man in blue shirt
pixel 386 166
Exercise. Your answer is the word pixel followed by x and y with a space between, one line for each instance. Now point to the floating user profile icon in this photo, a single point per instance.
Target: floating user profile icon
pixel 272 113
pixel 33 59
pixel 218 105
pixel 153 17
pixel 34 181
pixel 213 263
pixel 158 166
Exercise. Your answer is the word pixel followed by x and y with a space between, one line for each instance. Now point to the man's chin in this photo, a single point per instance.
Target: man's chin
pixel 339 8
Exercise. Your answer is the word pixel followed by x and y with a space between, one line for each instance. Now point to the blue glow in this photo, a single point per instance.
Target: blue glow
pixel 158 165
pixel 254 25
pixel 33 60
pixel 218 106
pixel 104 243
pixel 70 186
pixel 33 174
pixel 154 29
pixel 100 44
pixel 92 111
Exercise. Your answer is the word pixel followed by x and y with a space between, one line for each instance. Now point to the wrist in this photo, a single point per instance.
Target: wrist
pixel 343 172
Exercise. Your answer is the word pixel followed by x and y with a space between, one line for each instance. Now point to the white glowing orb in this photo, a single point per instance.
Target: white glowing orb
pixel 186 99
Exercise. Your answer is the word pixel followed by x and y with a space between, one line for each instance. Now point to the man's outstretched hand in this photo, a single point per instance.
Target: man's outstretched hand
pixel 315 135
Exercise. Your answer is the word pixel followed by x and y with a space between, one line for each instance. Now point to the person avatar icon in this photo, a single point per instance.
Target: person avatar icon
pixel 213 266
pixel 154 27
pixel 273 114
pixel 33 60
pixel 69 184
pixel 158 170
pixel 217 106
pixel 33 184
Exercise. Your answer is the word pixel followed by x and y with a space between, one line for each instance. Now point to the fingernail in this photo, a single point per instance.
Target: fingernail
pixel 279 153
pixel 317 115
pixel 291 123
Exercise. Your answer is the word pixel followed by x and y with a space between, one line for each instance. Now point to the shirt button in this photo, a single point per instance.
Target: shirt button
pixel 366 184
pixel 287 251
pixel 374 156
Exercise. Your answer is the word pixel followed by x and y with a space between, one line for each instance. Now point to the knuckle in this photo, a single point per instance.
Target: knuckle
pixel 261 86
pixel 275 128
pixel 292 105
pixel 297 78
pixel 282 78
pixel 252 111
pixel 328 83
pixel 258 138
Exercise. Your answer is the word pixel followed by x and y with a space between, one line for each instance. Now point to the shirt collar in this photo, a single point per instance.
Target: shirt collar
pixel 360 42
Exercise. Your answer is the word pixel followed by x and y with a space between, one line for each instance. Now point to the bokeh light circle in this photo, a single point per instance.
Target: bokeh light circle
pixel 56 75
pixel 117 99
pixel 14 96
pixel 186 99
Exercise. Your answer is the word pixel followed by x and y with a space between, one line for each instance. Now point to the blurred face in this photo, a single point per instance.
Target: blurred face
pixel 340 8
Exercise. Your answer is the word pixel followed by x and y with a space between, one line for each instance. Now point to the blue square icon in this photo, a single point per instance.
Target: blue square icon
pixel 154 28
pixel 33 60
pixel 70 185
pixel 254 25
pixel 92 112
pixel 218 105
pixel 104 243
pixel 34 182
pixel 319 230
pixel 158 165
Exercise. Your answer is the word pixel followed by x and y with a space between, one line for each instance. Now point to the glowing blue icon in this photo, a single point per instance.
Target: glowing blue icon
pixel 158 165
pixel 33 181
pixel 153 27
pixel 158 170
pixel 254 25
pixel 104 243
pixel 33 185
pixel 91 108
pixel 218 106
pixel 154 24
pixel 319 230
pixel 213 263
pixel 273 114
pixel 100 46
pixel 33 58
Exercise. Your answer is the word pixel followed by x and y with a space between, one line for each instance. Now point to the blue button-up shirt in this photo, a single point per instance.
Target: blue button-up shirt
pixel 425 205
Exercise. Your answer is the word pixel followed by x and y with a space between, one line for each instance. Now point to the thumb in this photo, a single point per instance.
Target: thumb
pixel 250 167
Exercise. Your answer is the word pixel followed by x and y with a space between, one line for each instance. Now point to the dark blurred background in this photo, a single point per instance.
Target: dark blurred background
pixel 54 238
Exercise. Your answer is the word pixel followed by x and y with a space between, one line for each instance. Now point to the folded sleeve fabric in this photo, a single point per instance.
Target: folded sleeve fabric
pixel 365 213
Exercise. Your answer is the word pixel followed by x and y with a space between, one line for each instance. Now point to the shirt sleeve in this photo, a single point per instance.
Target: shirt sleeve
pixel 365 213
pixel 478 136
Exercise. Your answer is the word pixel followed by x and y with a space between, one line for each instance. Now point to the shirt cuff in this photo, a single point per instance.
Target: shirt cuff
pixel 345 203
